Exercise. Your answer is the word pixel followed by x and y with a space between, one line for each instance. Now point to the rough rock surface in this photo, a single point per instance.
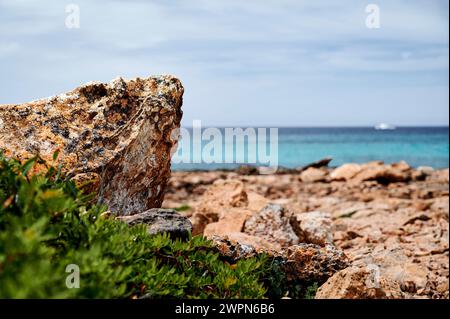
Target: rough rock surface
pixel 373 171
pixel 159 220
pixel 345 172
pixel 233 250
pixel 221 200
pixel 232 221
pixel 119 135
pixel 313 227
pixel 358 283
pixel 272 224
pixel 312 175
pixel 303 263
pixel 312 263
pixel 400 228
pixel 239 245
pixel 384 173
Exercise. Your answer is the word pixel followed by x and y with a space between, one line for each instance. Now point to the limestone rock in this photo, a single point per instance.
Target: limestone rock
pixel 159 220
pixel 421 173
pixel 441 175
pixel 199 222
pixel 301 264
pixel 118 134
pixel 401 166
pixel 222 195
pixel 239 245
pixel 400 229
pixel 256 202
pixel 232 221
pixel 272 224
pixel 223 198
pixel 384 174
pixel 312 263
pixel 394 265
pixel 313 227
pixel 358 283
pixel 345 172
pixel 312 175
pixel 232 250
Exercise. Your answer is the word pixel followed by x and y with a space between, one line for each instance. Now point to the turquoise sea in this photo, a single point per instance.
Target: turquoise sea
pixel 299 146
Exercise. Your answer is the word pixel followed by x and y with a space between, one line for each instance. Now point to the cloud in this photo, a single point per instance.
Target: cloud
pixel 248 54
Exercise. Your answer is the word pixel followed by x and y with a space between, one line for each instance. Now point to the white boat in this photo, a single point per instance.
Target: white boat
pixel 384 126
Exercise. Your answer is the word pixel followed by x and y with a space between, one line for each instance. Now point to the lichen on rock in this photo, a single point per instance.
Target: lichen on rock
pixel 118 136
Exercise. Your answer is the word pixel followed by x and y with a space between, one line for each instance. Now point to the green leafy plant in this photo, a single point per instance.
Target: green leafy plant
pixel 47 223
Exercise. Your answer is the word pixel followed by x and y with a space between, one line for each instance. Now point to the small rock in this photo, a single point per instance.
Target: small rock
pixel 427 170
pixel 313 227
pixel 160 220
pixel 359 283
pixel 232 221
pixel 312 263
pixel 221 195
pixel 236 246
pixel 199 222
pixel 345 172
pixel 421 173
pixel 401 166
pixel 272 224
pixel 383 174
pixel 302 264
pixel 312 175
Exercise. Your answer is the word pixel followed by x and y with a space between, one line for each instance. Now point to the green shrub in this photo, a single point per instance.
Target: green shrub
pixel 46 224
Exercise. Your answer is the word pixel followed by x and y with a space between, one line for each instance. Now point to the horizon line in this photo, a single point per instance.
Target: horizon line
pixel 320 126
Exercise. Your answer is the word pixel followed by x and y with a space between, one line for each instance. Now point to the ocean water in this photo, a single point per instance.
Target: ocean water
pixel 418 146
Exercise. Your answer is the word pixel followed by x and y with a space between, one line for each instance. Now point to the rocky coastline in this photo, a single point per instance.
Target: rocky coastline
pixel 385 226
pixel 370 230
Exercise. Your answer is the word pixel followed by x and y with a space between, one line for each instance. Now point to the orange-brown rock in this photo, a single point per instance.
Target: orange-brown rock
pixel 312 263
pixel 232 221
pixel 258 243
pixel 222 195
pixel 272 224
pixel 385 174
pixel 312 175
pixel 313 227
pixel 237 246
pixel 118 134
pixel 359 283
pixel 399 228
pixel 228 203
pixel 345 172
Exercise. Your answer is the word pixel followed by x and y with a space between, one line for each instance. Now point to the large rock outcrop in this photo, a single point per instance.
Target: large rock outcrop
pixel 117 135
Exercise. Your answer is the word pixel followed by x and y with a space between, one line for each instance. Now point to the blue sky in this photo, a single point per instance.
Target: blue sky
pixel 252 62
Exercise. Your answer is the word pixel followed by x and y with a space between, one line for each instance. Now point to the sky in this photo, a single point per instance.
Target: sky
pixel 242 63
